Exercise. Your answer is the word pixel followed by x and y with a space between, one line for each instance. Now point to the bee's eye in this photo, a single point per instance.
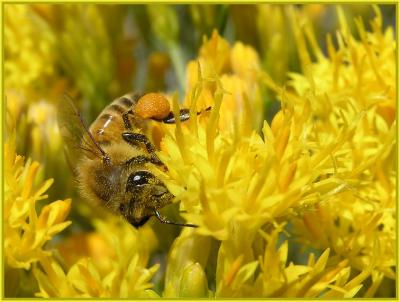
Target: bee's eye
pixel 138 179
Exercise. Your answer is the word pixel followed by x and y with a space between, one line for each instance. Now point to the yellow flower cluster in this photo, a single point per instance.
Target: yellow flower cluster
pixel 348 90
pixel 26 232
pixel 317 278
pixel 235 69
pixel 108 263
pixel 29 61
pixel 232 185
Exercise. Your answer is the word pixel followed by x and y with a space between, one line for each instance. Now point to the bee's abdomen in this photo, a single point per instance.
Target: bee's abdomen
pixel 109 125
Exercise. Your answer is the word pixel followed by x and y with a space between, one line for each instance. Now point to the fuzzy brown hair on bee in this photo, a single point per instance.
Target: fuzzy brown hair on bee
pixel 115 161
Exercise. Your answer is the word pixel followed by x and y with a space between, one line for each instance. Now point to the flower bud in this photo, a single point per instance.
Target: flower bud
pixel 193 282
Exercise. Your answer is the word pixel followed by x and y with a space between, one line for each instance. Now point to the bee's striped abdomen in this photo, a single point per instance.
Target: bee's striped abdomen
pixel 109 125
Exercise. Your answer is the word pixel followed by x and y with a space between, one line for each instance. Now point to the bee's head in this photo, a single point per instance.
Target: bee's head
pixel 99 182
pixel 144 193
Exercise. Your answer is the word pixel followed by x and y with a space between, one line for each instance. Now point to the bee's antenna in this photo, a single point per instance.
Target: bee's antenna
pixel 164 220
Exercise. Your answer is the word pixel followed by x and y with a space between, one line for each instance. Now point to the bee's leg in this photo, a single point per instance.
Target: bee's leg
pixel 134 138
pixel 142 159
pixel 164 220
pixel 125 118
pixel 184 115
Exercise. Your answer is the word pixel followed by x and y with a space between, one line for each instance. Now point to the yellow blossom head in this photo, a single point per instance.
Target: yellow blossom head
pixel 26 230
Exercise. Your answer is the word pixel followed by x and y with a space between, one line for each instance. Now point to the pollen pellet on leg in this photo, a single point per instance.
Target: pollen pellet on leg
pixel 152 105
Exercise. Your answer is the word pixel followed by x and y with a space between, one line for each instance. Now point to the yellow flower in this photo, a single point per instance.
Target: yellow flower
pixel 244 61
pixel 185 275
pixel 29 51
pixel 309 280
pixel 348 89
pixel 236 68
pixel 322 151
pixel 26 231
pixel 231 185
pixel 113 264
pixel 281 279
pixel 38 136
pixel 276 41
pixel 251 180
pixel 44 133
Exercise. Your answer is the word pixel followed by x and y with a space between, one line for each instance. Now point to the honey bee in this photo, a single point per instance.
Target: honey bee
pixel 115 158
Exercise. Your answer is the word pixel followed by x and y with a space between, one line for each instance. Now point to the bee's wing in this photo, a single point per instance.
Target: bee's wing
pixel 79 141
